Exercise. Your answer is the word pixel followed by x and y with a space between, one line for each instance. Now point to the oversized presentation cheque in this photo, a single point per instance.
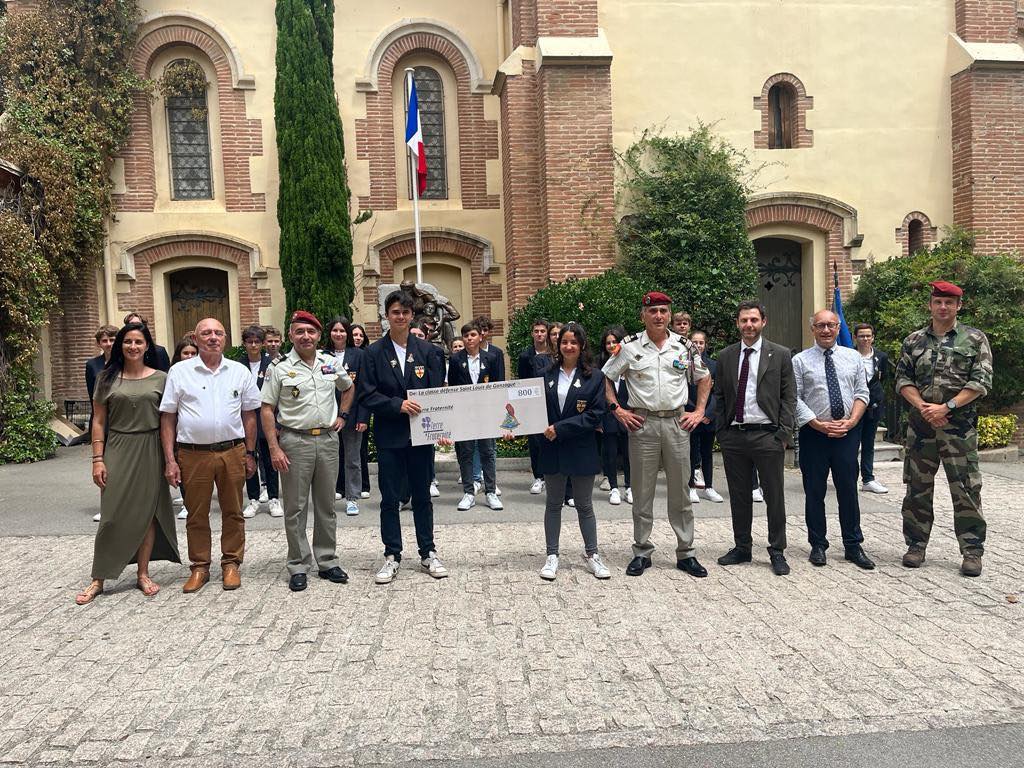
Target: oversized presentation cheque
pixel 478 411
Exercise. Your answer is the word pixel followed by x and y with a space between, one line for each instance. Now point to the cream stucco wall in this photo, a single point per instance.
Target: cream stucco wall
pixel 877 70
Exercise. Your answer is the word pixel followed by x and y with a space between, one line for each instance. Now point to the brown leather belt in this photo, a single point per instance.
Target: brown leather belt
pixel 673 414
pixel 754 427
pixel 315 432
pixel 215 447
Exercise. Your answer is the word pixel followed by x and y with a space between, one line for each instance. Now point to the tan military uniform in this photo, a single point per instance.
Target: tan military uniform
pixel 658 383
pixel 306 410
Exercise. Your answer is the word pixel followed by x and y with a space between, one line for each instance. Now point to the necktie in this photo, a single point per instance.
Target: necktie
pixel 835 397
pixel 741 387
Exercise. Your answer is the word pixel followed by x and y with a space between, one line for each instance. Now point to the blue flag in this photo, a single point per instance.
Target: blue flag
pixel 845 338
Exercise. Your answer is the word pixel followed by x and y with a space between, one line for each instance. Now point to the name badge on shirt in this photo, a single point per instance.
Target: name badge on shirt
pixel 327 370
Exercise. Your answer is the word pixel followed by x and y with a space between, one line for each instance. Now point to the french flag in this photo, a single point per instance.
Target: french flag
pixel 414 137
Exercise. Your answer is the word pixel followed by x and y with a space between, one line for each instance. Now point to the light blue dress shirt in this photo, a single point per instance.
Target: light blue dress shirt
pixel 812 391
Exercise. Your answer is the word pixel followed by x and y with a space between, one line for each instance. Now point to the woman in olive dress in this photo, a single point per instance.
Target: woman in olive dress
pixel 136 517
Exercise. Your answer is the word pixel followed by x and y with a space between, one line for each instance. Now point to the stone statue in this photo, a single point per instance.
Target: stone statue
pixel 434 310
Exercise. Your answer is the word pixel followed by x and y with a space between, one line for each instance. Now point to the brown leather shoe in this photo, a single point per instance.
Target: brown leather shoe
pixel 971 565
pixel 232 578
pixel 914 557
pixel 196 581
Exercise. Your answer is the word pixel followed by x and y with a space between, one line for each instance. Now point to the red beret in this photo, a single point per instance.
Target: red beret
pixel 942 288
pixel 302 316
pixel 655 298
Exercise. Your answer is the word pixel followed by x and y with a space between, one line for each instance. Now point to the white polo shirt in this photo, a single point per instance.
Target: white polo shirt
pixel 209 403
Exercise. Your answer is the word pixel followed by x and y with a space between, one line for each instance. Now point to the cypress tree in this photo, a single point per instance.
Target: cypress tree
pixel 313 202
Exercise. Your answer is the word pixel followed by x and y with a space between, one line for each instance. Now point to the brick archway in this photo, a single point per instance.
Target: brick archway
pixel 927 233
pixel 143 257
pixel 475 252
pixel 802 137
pixel 375 134
pixel 240 137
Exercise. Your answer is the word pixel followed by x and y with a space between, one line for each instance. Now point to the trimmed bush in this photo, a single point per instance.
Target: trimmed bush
pixel 996 431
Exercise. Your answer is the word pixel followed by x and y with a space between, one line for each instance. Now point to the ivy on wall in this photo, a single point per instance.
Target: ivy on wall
pixel 67 97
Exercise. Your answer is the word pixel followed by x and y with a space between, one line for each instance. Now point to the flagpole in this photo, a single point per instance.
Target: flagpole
pixel 414 179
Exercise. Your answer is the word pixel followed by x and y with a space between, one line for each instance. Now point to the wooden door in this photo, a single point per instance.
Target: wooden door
pixel 778 269
pixel 198 293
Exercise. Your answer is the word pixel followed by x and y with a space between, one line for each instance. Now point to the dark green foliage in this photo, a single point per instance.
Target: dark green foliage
pixel 313 202
pixel 687 234
pixel 516 448
pixel 595 302
pixel 893 296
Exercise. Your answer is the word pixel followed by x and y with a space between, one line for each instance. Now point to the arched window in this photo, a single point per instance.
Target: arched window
pixel 188 133
pixel 782 116
pixel 915 235
pixel 430 93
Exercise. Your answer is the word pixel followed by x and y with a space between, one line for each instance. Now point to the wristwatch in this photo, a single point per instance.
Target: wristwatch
pixel 613 406
pixel 251 453
pixel 951 404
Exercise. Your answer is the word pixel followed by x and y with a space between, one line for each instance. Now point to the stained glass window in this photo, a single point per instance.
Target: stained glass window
pixel 430 93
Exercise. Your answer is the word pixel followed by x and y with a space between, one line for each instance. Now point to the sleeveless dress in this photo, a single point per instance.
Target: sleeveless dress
pixel 136 491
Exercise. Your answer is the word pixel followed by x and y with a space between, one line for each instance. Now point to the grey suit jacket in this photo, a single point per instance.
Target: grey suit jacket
pixel 776 386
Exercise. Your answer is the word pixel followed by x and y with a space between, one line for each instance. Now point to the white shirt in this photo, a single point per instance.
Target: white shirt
pixel 474 367
pixel 339 355
pixel 657 379
pixel 752 413
pixel 869 364
pixel 812 388
pixel 254 366
pixel 564 382
pixel 400 353
pixel 209 403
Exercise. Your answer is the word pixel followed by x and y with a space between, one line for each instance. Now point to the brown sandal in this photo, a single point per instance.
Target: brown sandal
pixel 147 586
pixel 89 594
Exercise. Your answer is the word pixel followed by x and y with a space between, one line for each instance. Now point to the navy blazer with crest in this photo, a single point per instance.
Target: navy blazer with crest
pixel 353 364
pixel 876 388
pixel 574 449
pixel 381 387
pixel 490 367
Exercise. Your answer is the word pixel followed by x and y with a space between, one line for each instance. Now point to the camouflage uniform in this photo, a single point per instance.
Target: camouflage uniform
pixel 940 368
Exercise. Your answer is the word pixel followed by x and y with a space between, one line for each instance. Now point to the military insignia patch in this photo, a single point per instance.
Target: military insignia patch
pixel 295 391
pixel 581 406
pixel 234 393
pixel 291 374
pixel 420 370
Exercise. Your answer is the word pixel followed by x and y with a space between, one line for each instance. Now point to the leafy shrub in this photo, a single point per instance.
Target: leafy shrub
pixel 893 296
pixel 515 448
pixel 612 298
pixel 996 431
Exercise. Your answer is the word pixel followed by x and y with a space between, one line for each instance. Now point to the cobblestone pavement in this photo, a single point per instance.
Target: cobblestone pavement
pixel 493 661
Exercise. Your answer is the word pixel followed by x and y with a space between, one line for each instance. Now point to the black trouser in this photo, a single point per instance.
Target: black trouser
pixel 252 484
pixel 533 441
pixel 364 459
pixel 743 452
pixel 869 428
pixel 819 455
pixel 702 443
pixel 614 445
pixel 393 465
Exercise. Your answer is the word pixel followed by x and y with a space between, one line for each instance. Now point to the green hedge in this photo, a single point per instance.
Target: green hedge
pixel 996 431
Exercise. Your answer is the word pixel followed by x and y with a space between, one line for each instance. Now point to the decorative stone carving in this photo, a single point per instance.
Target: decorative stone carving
pixel 430 307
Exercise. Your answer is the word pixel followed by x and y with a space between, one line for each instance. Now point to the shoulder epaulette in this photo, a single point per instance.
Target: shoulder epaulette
pixel 631 337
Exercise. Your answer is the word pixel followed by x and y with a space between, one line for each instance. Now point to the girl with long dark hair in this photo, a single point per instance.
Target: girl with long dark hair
pixel 615 443
pixel 136 518
pixel 339 343
pixel 361 340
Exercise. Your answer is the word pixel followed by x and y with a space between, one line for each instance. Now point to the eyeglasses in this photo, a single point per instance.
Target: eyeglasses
pixel 825 326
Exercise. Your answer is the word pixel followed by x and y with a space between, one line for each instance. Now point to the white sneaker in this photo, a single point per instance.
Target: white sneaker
pixel 96 517
pixel 337 496
pixel 494 502
pixel 251 508
pixel 605 484
pixel 712 495
pixel 264 496
pixel 276 510
pixel 571 503
pixel 407 504
pixel 388 571
pixel 550 569
pixel 468 502
pixel 364 494
pixel 694 498
pixel 597 567
pixel 351 509
pixel 757 496
pixel 537 487
pixel 182 514
pixel 477 485
pixel 629 495
pixel 873 486
pixel 614 497
pixel 497 491
pixel 698 478
pixel 434 491
pixel 433 565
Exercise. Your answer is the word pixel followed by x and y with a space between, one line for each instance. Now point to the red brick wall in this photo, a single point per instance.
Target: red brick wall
pixel 240 137
pixel 988 156
pixel 72 339
pixel 802 137
pixel 524 22
pixel 987 21
pixel 929 233
pixel 484 292
pixel 375 134
pixel 140 298
pixel 566 18
pixel 822 221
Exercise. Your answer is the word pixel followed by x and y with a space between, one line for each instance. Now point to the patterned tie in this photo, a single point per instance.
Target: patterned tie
pixel 741 386
pixel 835 397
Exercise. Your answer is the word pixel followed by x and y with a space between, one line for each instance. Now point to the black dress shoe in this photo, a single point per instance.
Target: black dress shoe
pixel 692 567
pixel 779 565
pixel 334 574
pixel 637 566
pixel 297 582
pixel 735 556
pixel 857 556
pixel 818 555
